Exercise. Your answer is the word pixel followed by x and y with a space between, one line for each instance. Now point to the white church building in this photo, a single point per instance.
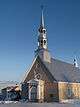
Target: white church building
pixel 49 79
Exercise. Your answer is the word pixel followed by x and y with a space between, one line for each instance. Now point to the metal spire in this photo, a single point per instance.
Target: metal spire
pixel 42 17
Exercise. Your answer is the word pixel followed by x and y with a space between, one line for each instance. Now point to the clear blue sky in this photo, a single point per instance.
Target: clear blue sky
pixel 19 22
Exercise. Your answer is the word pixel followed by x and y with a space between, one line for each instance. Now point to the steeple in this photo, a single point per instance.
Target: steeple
pixel 42 39
pixel 42 49
pixel 42 19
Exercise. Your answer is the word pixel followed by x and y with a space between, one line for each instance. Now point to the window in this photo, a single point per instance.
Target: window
pixel 44 31
pixel 44 42
pixel 41 41
pixel 51 95
pixel 69 91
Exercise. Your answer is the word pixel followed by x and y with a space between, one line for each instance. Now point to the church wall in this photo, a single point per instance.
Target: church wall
pixel 62 87
pixel 69 90
pixel 40 90
pixel 51 92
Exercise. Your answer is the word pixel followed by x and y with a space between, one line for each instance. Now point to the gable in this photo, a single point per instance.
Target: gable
pixel 38 68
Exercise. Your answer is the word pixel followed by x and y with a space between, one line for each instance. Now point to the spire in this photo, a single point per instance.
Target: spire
pixel 42 49
pixel 75 62
pixel 42 39
pixel 42 18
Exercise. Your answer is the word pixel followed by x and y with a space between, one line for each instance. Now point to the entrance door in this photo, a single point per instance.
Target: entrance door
pixel 33 93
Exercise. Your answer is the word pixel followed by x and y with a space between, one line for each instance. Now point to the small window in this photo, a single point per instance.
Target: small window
pixel 69 91
pixel 51 95
pixel 41 41
pixel 44 42
pixel 44 31
pixel 41 44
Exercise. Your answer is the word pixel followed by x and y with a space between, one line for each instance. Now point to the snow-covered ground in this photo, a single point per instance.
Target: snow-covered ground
pixel 72 101
pixel 65 103
pixel 39 105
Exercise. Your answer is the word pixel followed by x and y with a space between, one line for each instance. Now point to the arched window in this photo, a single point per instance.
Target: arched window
pixel 44 31
pixel 44 42
pixel 41 41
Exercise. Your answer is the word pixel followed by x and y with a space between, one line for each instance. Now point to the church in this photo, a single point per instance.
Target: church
pixel 49 79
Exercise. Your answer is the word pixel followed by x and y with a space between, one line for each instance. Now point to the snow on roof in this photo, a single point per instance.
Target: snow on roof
pixel 63 71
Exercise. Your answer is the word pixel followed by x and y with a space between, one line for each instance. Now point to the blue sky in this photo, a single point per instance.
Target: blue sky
pixel 19 23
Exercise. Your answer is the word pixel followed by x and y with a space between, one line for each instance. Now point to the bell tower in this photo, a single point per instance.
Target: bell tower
pixel 42 49
pixel 42 39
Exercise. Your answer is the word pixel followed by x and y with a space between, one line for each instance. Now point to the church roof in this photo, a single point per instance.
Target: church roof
pixel 63 71
pixel 60 70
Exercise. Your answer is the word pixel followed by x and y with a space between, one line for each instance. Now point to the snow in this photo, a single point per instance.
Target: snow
pixel 71 101
pixel 18 104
